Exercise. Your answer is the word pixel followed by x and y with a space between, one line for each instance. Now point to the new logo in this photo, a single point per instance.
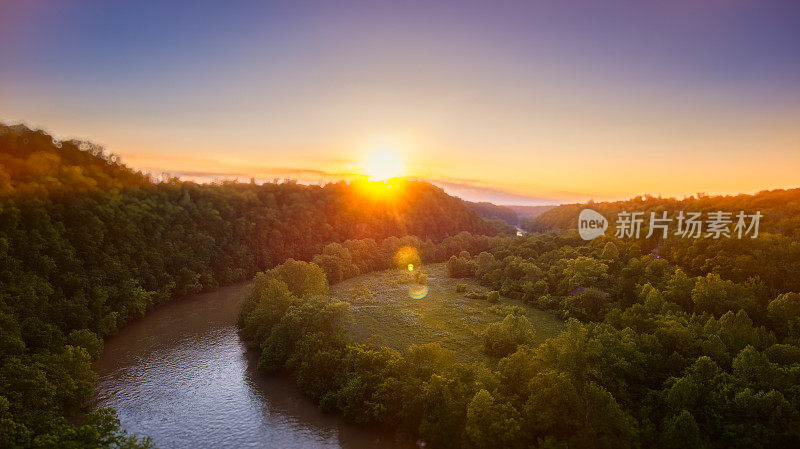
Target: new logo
pixel 591 224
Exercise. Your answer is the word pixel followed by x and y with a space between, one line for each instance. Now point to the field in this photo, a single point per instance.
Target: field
pixel 385 313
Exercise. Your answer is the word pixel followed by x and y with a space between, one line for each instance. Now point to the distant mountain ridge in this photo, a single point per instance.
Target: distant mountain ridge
pixel 87 244
pixel 780 209
pixel 530 211
pixel 493 211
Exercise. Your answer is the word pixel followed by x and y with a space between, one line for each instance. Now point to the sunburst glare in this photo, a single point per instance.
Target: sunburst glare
pixel 383 163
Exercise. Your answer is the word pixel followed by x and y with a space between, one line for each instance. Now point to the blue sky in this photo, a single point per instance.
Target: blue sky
pixel 522 102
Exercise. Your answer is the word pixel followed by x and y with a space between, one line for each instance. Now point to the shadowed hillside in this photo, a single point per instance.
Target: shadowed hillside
pixel 780 209
pixel 493 211
pixel 87 244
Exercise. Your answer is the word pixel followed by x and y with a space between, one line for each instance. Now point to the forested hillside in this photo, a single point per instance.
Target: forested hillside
pixel 651 356
pixel 772 258
pixel 87 244
pixel 780 210
pixel 493 211
pixel 670 342
pixel 524 212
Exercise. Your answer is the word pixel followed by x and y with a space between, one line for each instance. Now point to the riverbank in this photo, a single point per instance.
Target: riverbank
pixel 182 376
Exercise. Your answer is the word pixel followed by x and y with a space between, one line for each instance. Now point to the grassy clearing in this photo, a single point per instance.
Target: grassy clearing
pixel 384 312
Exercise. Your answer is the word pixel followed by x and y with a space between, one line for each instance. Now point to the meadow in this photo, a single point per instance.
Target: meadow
pixel 384 312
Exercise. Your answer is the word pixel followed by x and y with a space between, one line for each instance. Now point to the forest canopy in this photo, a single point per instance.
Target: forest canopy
pixel 651 356
pixel 87 244
pixel 668 343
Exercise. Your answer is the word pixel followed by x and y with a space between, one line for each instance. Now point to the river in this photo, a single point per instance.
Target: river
pixel 182 376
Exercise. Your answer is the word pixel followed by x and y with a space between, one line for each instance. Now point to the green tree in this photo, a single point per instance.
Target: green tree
pixel 302 278
pixel 501 339
pixel 491 423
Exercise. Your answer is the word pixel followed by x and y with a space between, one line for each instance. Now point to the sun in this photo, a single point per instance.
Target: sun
pixel 382 164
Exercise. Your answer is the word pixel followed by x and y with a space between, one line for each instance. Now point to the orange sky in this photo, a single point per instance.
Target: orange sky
pixel 524 104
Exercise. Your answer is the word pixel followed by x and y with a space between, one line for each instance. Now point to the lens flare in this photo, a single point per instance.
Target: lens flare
pixel 417 291
pixel 407 257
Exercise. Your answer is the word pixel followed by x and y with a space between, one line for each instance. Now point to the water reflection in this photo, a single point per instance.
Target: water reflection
pixel 182 376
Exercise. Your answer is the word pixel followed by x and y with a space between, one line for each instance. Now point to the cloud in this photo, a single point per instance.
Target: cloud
pixel 473 191
pixel 201 169
pixel 204 170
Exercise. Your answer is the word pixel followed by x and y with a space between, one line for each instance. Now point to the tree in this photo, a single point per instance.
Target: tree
pixel 784 313
pixel 88 340
pixel 444 412
pixel 491 423
pixel 585 272
pixel 485 263
pixel 679 290
pixel 610 252
pixel 710 294
pixel 680 431
pixel 501 339
pixel 264 306
pixel 461 266
pixel 302 278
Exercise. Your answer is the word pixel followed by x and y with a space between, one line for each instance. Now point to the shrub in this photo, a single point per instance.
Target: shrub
pixel 504 309
pixel 461 267
pixel 87 340
pixel 501 339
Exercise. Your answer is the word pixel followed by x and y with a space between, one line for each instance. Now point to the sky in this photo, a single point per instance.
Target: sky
pixel 511 102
